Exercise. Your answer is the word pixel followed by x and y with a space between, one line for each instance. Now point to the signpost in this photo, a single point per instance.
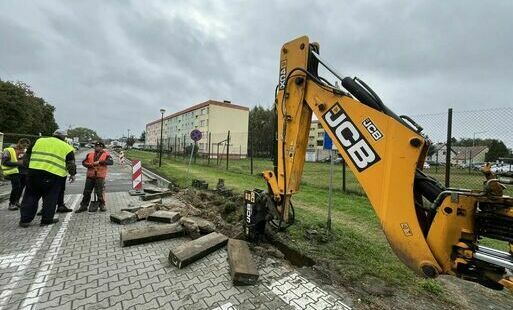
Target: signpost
pixel 328 145
pixel 195 136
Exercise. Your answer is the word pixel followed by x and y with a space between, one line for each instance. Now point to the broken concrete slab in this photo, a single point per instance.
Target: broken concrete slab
pixel 191 251
pixel 204 226
pixel 192 230
pixel 164 216
pixel 155 190
pixel 134 192
pixel 143 213
pixel 156 195
pixel 150 233
pixel 243 269
pixel 135 206
pixel 123 217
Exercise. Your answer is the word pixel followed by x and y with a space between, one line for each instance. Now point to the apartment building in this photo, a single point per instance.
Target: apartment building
pixel 316 135
pixel 210 117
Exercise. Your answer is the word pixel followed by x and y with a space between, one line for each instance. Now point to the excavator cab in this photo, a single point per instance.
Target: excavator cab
pixel 432 229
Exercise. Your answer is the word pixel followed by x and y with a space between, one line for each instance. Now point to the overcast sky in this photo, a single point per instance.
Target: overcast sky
pixel 111 65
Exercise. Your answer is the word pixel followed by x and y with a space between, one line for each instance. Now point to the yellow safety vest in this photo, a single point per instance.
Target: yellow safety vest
pixel 49 154
pixel 6 170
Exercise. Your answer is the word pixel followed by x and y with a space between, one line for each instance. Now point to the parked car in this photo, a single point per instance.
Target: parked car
pixel 478 166
pixel 502 168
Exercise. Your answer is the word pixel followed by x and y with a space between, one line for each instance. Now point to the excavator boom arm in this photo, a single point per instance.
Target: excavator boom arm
pixel 381 150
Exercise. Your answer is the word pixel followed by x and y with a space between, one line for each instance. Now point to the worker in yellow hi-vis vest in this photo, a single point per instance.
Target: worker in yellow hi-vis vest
pixel 12 169
pixel 49 162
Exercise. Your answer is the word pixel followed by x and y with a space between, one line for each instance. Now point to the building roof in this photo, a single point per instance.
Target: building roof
pixel 464 152
pixel 202 105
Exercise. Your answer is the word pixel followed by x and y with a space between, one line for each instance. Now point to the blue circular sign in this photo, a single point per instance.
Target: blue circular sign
pixel 196 135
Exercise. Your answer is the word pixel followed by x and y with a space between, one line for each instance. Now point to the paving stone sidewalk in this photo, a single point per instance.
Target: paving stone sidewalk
pixel 79 264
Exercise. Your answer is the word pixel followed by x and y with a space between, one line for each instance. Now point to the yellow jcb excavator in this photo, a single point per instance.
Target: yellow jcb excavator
pixel 432 229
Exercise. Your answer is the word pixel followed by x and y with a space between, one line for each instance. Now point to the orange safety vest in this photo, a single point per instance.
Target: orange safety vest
pixel 96 171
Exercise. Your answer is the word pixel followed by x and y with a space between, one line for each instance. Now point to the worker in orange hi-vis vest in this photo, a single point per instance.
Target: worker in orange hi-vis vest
pixel 96 163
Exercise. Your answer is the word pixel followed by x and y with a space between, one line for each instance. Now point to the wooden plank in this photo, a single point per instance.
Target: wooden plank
pixel 156 195
pixel 123 217
pixel 191 251
pixel 150 233
pixel 164 216
pixel 242 266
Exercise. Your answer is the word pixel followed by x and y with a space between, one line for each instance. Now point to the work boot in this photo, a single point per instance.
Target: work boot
pixel 24 224
pixel 103 208
pixel 81 209
pixel 93 207
pixel 48 222
pixel 63 209
pixel 12 207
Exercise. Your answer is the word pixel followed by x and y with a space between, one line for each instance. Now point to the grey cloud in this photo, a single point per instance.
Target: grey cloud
pixel 112 65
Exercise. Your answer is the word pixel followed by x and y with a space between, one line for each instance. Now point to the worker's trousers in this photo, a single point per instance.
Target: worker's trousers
pixel 40 186
pixel 17 186
pixel 60 200
pixel 98 184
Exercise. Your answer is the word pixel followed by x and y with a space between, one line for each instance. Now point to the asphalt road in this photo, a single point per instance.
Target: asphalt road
pixel 119 178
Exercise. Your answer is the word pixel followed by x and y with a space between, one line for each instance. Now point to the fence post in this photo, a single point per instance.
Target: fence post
pixel 209 142
pixel 449 149
pixel 227 150
pixel 193 151
pixel 343 175
pixel 251 147
pixel 217 157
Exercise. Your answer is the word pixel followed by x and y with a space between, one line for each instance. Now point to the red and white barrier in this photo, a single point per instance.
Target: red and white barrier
pixel 136 175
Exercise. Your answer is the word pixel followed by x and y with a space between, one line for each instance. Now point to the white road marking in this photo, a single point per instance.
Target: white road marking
pixel 227 306
pixel 27 259
pixel 300 293
pixel 48 260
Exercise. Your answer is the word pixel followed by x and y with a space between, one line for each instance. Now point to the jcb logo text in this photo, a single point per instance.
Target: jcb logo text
pixel 359 150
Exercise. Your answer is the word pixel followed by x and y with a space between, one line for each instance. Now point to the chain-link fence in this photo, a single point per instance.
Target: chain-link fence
pixel 463 139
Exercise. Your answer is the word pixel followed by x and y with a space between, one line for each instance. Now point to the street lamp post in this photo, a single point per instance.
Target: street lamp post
pixel 127 138
pixel 162 111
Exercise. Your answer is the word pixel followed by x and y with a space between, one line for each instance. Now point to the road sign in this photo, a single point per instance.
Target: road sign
pixel 327 142
pixel 196 135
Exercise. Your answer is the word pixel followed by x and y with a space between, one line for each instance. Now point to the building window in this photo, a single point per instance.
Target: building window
pixel 319 143
pixel 202 123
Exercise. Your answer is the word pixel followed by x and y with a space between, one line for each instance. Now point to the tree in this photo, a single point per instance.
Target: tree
pixel 261 130
pixel 23 112
pixel 130 141
pixel 143 136
pixel 496 149
pixel 83 134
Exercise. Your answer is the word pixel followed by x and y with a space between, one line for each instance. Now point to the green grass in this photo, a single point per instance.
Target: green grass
pixel 358 246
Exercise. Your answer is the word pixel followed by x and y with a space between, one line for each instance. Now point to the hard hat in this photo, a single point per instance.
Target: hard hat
pixel 60 133
pixel 99 143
